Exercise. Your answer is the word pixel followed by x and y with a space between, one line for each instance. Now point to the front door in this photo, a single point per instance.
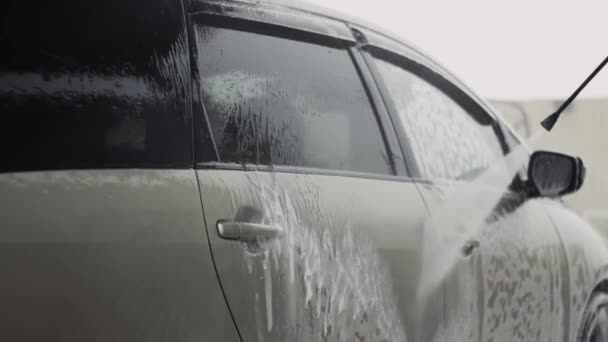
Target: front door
pixel 314 236
pixel 500 264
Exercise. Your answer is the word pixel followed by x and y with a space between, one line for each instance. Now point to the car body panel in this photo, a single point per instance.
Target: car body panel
pixel 111 255
pixel 510 288
pixel 346 266
pixel 587 256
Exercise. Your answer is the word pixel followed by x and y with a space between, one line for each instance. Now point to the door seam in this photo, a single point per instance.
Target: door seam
pixel 217 274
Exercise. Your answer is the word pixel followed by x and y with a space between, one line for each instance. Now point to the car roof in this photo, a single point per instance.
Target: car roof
pixel 321 11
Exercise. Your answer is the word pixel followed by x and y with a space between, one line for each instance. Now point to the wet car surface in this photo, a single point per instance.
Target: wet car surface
pixel 262 171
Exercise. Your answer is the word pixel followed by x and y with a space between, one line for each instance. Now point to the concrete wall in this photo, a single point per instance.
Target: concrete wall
pixel 583 131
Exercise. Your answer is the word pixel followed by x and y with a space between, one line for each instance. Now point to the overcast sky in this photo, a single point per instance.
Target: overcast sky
pixel 516 49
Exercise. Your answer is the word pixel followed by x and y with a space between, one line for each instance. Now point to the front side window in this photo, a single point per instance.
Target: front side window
pixel 288 101
pixel 447 141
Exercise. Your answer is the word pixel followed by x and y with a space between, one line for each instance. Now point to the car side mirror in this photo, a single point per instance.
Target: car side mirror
pixel 552 174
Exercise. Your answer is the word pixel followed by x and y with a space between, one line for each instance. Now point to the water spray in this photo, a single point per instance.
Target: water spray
pixel 448 229
pixel 550 121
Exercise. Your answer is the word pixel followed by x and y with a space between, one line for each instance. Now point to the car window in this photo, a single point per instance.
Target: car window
pixel 84 94
pixel 274 100
pixel 447 142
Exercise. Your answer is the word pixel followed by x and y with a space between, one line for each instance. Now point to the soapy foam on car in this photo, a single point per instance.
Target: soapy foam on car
pixel 342 277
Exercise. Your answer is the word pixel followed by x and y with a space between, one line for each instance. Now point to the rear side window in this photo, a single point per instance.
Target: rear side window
pixel 76 92
pixel 287 100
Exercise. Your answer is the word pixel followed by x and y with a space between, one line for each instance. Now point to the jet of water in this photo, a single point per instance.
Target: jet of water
pixel 462 214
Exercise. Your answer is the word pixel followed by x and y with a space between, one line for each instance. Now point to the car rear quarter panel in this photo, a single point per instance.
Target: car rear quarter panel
pixel 113 255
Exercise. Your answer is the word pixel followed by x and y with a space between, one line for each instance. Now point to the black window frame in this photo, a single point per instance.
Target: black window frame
pixel 381 116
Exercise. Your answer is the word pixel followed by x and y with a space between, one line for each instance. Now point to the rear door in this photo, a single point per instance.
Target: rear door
pixel 500 262
pixel 313 228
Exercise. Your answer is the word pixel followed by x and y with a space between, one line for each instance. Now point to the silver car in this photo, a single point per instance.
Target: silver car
pixel 209 170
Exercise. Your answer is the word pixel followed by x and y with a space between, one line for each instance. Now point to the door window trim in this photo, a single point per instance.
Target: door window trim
pixel 409 162
pixel 383 119
pixel 301 170
pixel 274 15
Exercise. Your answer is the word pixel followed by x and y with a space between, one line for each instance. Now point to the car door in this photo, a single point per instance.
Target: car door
pixel 314 229
pixel 500 262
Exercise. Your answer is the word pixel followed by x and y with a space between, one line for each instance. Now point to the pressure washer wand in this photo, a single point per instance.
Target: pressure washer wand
pixel 550 121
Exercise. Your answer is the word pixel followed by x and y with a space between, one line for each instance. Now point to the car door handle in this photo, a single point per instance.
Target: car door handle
pixel 469 247
pixel 247 231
